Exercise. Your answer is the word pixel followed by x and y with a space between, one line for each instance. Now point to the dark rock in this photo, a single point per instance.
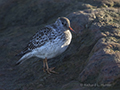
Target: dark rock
pixel 92 59
pixel 74 85
pixel 103 61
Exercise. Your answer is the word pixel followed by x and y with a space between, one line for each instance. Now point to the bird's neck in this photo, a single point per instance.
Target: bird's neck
pixel 59 27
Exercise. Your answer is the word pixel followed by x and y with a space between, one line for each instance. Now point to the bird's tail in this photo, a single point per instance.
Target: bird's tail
pixel 23 58
pixel 23 52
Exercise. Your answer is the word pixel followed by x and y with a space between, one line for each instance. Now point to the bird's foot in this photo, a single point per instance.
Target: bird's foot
pixel 50 70
pixel 44 70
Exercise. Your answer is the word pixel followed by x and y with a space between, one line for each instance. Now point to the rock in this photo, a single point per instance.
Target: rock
pixel 74 85
pixel 92 59
pixel 103 61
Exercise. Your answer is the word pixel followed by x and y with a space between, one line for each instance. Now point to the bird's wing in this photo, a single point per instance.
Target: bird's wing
pixel 38 39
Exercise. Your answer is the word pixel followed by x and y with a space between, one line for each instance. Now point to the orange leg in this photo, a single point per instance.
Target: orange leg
pixel 44 65
pixel 49 70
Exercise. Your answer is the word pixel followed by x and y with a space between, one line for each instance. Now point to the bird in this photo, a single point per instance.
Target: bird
pixel 49 42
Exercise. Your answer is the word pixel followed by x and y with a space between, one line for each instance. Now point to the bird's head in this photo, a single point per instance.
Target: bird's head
pixel 64 22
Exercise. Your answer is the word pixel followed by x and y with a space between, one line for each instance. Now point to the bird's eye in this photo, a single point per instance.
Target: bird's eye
pixel 64 24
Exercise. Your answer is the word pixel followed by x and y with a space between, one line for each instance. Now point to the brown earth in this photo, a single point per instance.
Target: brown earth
pixel 92 60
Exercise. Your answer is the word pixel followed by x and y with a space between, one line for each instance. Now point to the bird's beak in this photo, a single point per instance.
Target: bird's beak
pixel 71 29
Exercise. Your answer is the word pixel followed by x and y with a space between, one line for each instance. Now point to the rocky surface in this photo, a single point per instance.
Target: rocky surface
pixel 103 60
pixel 91 62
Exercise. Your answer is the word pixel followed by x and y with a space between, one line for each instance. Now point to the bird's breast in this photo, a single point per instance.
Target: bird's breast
pixel 68 37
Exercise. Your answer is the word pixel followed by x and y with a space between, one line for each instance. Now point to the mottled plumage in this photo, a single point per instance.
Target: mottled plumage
pixel 49 41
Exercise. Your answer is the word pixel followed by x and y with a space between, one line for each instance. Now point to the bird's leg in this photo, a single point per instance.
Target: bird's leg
pixel 49 70
pixel 47 67
pixel 44 65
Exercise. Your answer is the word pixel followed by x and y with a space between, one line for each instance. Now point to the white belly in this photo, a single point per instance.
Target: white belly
pixel 50 49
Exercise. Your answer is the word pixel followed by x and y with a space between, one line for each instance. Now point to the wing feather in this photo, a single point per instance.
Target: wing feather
pixel 38 39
